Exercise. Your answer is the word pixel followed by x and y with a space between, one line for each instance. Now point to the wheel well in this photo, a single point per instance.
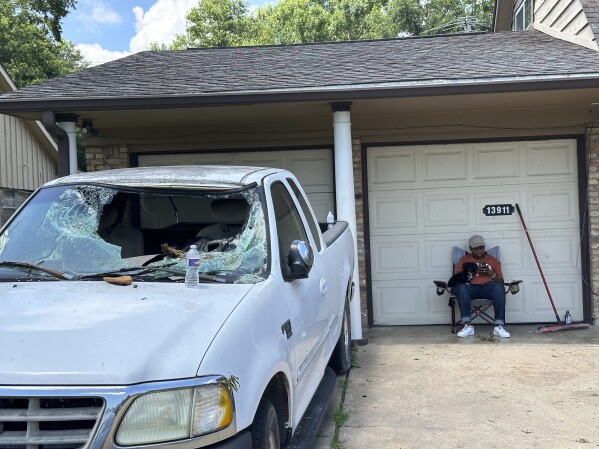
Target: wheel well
pixel 277 392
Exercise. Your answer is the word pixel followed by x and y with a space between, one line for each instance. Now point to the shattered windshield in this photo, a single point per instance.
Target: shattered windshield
pixel 84 230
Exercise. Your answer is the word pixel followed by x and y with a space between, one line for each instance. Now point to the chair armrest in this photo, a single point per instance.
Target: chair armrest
pixel 441 287
pixel 513 287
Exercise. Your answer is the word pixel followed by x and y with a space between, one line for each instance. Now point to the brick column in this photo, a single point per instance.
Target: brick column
pixel 106 157
pixel 357 161
pixel 593 214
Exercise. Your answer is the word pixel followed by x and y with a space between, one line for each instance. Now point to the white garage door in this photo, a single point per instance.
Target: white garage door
pixel 423 200
pixel 313 168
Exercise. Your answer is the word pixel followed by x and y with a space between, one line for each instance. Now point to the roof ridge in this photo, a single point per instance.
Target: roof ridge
pixel 340 42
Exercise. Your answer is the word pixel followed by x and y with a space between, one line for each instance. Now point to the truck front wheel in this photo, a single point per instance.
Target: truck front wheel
pixel 265 428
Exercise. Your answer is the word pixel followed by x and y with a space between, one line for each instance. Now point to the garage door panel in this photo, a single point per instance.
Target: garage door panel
pixel 321 204
pixel 409 304
pixel 564 294
pixel 154 160
pixel 496 161
pixel 395 301
pixel 436 211
pixel 511 255
pixel 392 259
pixel 444 164
pixel 260 159
pixel 437 306
pixel 557 252
pixel 438 257
pixel 551 206
pixel 551 158
pixel 389 212
pixel 445 210
pixel 315 167
pixel 388 167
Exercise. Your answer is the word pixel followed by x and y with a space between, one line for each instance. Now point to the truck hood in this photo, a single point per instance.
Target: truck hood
pixel 95 333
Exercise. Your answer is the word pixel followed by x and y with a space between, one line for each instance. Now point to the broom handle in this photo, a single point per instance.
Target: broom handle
pixel 534 253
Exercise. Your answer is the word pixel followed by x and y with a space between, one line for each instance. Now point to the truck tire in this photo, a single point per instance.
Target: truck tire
pixel 265 428
pixel 341 358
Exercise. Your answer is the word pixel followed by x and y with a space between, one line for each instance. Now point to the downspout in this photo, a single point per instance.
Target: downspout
pixel 62 139
pixel 68 122
pixel 345 199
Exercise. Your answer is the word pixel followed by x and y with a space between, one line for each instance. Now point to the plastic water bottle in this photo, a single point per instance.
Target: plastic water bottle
pixel 568 317
pixel 330 220
pixel 193 267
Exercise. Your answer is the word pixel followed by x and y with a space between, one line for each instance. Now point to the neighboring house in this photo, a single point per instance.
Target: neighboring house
pixel 407 139
pixel 575 21
pixel 28 157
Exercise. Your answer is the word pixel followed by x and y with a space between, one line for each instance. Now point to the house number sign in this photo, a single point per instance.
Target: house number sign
pixel 498 209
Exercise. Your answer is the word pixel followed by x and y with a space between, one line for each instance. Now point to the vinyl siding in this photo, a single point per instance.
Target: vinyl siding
pixel 24 164
pixel 565 17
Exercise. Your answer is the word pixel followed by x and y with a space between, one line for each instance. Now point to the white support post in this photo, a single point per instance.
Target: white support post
pixel 71 129
pixel 345 198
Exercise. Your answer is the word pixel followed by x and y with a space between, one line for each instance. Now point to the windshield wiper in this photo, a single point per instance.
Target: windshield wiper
pixel 32 266
pixel 141 270
pixel 144 270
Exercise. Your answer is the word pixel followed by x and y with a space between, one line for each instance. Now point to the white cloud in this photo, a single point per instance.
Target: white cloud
pixel 93 13
pixel 95 54
pixel 102 13
pixel 161 23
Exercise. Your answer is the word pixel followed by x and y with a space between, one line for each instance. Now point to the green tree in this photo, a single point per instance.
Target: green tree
pixel 413 17
pixel 232 22
pixel 291 21
pixel 356 19
pixel 31 48
pixel 218 23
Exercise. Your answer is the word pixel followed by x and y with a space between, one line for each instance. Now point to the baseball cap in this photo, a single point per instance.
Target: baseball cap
pixel 476 241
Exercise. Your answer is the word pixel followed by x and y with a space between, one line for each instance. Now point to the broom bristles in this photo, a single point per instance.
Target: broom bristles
pixel 562 327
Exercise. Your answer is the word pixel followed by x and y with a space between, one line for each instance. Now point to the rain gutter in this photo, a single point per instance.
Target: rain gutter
pixel 366 91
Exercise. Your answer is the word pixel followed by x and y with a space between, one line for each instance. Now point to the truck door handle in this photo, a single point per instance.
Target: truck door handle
pixel 323 286
pixel 286 329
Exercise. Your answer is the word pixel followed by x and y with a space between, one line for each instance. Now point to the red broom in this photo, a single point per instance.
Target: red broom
pixel 554 327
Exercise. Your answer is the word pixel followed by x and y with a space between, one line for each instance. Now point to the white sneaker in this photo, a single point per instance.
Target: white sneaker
pixel 500 331
pixel 467 331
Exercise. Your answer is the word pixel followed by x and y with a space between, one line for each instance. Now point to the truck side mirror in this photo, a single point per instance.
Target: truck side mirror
pixel 301 259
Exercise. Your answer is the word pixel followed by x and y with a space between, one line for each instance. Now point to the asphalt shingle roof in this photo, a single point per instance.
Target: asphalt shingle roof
pixel 591 10
pixel 323 66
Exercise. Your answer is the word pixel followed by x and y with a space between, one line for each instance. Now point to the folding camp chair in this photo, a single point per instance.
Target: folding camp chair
pixel 478 307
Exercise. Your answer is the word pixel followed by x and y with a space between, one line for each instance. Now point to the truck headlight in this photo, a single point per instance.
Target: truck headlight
pixel 175 415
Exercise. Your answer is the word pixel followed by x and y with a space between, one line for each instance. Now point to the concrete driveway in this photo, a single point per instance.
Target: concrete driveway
pixel 421 387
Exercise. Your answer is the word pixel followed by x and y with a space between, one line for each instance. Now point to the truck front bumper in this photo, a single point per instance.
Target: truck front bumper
pixel 243 440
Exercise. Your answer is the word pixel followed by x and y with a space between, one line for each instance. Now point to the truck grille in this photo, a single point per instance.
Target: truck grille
pixel 48 423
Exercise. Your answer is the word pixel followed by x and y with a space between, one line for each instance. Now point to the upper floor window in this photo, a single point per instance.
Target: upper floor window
pixel 523 16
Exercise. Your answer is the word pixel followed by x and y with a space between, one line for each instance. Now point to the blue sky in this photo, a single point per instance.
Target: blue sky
pixel 109 29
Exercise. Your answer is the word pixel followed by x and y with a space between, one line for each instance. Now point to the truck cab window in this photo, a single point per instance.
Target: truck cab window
pixel 307 213
pixel 289 221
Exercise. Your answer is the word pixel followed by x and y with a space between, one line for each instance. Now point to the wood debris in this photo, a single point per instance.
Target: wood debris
pixel 173 252
pixel 121 280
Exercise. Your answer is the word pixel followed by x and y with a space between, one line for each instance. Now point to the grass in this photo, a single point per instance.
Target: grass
pixel 354 357
pixel 340 416
pixel 489 338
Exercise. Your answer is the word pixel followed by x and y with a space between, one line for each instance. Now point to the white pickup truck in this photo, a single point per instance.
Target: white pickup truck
pixel 104 347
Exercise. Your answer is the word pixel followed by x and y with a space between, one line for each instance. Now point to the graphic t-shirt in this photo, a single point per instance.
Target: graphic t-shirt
pixel 482 278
